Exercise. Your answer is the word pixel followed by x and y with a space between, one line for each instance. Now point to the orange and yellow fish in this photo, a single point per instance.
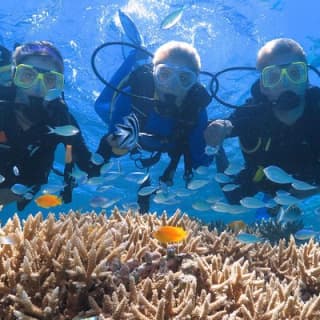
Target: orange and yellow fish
pixel 237 225
pixel 48 201
pixel 167 234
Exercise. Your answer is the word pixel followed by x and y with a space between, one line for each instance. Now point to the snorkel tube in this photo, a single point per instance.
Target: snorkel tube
pixel 145 51
pixel 234 106
pixel 103 80
pixel 217 84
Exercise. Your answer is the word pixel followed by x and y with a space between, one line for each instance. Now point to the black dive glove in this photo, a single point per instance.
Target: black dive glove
pixel 23 202
pixel 104 148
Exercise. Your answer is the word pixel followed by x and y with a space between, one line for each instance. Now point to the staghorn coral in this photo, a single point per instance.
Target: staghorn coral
pixel 84 265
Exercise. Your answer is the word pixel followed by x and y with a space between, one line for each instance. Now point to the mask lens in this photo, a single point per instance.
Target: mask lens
pixel 25 76
pixel 297 72
pixel 164 74
pixel 187 78
pixel 271 76
pixel 53 80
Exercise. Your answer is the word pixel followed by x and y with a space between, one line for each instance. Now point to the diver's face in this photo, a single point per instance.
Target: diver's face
pixel 174 77
pixel 285 72
pixel 36 76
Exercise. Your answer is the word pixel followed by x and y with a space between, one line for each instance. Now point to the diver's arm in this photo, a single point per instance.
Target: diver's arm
pixel 81 155
pixel 237 124
pixel 197 142
pixel 122 108
pixel 108 146
pixel 217 131
pixel 102 104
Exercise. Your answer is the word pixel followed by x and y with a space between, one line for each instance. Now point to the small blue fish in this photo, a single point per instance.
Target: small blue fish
pixel 230 187
pixel 202 170
pixel 130 29
pixel 28 196
pixel 221 206
pixel 201 205
pixel 16 171
pixel 277 175
pixel 252 203
pixel 103 188
pixel 112 175
pixel 197 184
pixel 20 189
pixel 147 191
pixel 134 206
pixel 2 178
pixel 65 131
pixel 106 167
pixel 99 202
pixel 172 18
pixel 53 188
pixel 233 169
pixel 248 238
pixel 97 159
pixel 162 197
pixel 302 186
pixel 137 177
pixel 285 199
pixel 222 178
pixel 95 181
pixel 305 234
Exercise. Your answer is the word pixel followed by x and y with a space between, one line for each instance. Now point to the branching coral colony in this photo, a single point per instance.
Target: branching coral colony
pixel 84 265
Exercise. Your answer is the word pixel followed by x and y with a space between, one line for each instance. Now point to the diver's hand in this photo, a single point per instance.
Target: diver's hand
pixel 28 197
pixel 217 131
pixel 109 147
pixel 115 143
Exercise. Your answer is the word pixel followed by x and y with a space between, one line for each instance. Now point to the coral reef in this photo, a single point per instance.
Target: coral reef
pixel 274 231
pixel 85 265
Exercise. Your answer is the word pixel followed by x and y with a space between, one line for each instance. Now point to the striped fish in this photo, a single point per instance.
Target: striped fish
pixel 128 132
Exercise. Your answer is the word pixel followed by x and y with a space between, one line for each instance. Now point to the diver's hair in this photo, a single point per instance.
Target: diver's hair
pixel 178 50
pixel 277 47
pixel 38 48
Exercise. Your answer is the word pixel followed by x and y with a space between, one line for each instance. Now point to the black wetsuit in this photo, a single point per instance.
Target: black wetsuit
pixel 266 141
pixel 27 156
pixel 7 93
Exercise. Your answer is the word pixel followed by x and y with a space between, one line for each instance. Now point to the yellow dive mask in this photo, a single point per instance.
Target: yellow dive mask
pixel 296 72
pixel 27 76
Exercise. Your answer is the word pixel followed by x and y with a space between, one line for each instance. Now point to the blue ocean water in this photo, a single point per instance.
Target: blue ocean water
pixel 227 33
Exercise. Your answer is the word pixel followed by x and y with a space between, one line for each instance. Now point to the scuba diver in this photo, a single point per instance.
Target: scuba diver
pixel 167 104
pixel 7 91
pixel 279 124
pixel 34 123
